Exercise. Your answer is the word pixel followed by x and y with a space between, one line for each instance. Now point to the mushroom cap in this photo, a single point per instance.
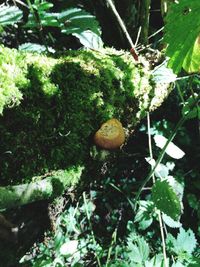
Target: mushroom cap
pixel 110 135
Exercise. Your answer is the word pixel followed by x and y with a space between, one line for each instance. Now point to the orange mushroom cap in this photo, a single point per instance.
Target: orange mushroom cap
pixel 110 135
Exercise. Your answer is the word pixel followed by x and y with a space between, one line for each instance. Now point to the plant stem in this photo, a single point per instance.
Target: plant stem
pixel 153 176
pixel 121 23
pixel 145 6
pixel 38 21
pixel 90 225
pixel 179 124
pixel 171 137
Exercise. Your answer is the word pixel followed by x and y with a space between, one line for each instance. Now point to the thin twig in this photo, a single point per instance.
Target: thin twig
pixel 153 177
pixel 121 23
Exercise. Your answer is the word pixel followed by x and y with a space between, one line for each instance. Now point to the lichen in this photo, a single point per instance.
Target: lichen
pixel 59 103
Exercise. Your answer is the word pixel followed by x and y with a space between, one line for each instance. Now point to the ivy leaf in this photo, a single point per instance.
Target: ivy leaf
pixel 9 15
pixel 181 31
pixel 166 199
pixel 76 20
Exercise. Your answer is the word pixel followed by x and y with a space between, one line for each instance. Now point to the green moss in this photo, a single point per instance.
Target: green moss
pixel 59 104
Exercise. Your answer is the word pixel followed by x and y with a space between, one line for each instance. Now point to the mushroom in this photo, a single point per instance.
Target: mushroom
pixel 110 135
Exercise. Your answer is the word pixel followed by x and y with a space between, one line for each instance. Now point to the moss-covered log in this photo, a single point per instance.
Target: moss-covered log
pixel 42 188
pixel 51 107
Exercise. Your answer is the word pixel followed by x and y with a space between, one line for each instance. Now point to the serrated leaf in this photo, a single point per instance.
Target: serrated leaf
pixel 172 150
pixel 9 15
pixel 170 222
pixel 156 261
pixel 166 200
pixel 139 252
pixel 185 242
pixel 192 59
pixel 89 39
pixel 181 30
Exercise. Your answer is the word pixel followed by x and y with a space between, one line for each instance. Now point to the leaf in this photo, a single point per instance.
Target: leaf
pixel 172 150
pixel 181 30
pixel 185 242
pixel 166 199
pixel 45 20
pixel 156 261
pixel 161 170
pixel 89 39
pixel 31 47
pixel 9 15
pixel 163 74
pixel 144 214
pixel 76 20
pixel 170 222
pixel 195 112
pixel 192 59
pixel 139 252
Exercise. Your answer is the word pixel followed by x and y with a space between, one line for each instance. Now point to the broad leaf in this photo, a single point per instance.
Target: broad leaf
pixel 89 39
pixel 191 61
pixel 76 20
pixel 9 15
pixel 181 30
pixel 166 200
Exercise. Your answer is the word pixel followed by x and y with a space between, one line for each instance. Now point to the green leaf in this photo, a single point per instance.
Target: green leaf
pixel 156 261
pixel 45 20
pixel 181 30
pixel 195 112
pixel 9 15
pixel 76 20
pixel 185 242
pixel 192 59
pixel 166 199
pixel 170 222
pixel 31 47
pixel 144 214
pixel 139 250
pixel 89 39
